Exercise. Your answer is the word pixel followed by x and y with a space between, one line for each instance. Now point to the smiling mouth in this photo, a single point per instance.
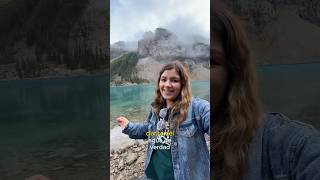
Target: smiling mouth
pixel 168 92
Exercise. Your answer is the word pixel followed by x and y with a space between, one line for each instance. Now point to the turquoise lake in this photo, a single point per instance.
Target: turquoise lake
pixel 134 101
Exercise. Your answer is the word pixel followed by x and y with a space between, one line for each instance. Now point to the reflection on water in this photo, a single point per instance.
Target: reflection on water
pixel 56 127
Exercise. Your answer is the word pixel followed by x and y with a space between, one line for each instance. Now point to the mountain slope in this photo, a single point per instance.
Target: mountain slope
pixel 39 35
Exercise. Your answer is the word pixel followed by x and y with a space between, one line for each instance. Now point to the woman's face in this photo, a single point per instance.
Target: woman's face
pixel 170 86
pixel 219 75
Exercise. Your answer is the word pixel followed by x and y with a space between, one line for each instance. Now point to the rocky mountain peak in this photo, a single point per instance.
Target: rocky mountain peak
pixel 119 45
pixel 162 43
pixel 163 34
pixel 165 44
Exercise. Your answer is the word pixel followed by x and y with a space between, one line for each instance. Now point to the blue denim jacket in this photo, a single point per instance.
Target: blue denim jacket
pixel 190 155
pixel 284 149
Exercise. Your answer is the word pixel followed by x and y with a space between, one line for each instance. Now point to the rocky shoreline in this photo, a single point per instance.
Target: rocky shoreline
pixel 127 162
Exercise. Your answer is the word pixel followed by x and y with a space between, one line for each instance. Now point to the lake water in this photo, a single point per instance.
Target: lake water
pixel 59 127
pixel 56 127
pixel 134 101
pixel 293 90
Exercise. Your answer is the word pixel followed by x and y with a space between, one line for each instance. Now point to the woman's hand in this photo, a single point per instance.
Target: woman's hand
pixel 122 121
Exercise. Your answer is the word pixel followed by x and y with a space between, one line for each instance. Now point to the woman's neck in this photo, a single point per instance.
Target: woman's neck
pixel 169 104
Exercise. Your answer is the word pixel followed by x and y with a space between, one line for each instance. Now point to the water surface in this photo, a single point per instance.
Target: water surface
pixel 56 127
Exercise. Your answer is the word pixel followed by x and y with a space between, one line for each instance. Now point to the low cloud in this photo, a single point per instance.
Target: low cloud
pixel 129 19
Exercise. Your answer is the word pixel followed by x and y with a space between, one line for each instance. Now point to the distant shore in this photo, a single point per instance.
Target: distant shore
pixel 8 72
pixel 113 84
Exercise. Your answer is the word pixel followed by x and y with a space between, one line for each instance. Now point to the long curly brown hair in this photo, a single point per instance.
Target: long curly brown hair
pixel 238 117
pixel 183 100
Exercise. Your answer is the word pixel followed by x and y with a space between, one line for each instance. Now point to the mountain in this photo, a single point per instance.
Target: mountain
pixel 123 70
pixel 154 50
pixel 117 49
pixel 289 39
pixel 164 44
pixel 281 32
pixel 122 47
pixel 53 38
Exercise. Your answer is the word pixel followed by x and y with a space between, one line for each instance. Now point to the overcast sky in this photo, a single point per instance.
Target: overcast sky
pixel 129 19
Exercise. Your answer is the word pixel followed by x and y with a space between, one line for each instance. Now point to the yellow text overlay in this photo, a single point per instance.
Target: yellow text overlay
pixel 171 133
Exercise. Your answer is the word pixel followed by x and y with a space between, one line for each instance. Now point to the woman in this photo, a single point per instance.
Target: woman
pixel 174 128
pixel 250 145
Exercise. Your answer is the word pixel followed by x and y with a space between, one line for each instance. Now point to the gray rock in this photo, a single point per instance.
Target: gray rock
pixel 115 156
pixel 125 147
pixel 120 177
pixel 121 165
pixel 140 160
pixel 136 142
pixel 131 158
pixel 137 149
